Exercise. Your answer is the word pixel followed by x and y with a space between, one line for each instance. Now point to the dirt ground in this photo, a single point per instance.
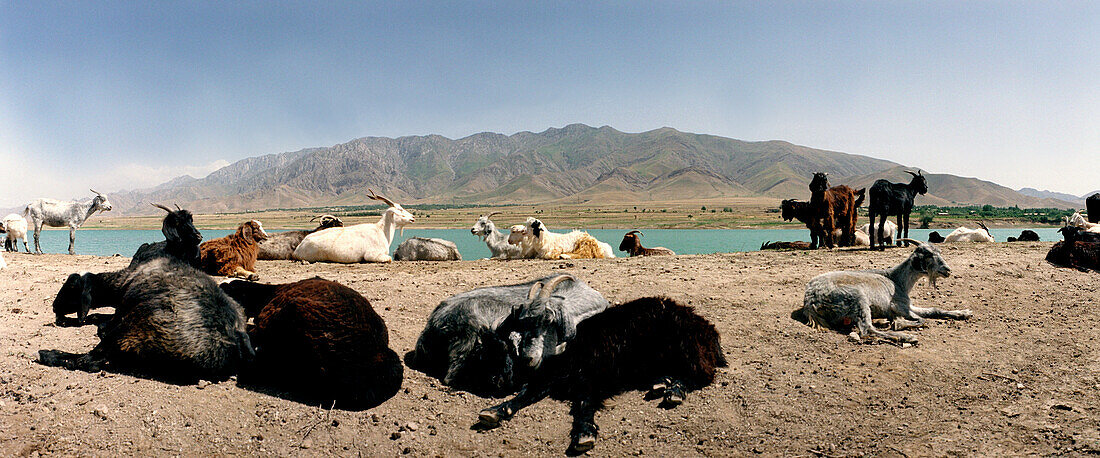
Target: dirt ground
pixel 1021 377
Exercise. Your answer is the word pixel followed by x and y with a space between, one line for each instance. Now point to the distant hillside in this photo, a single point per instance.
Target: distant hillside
pixel 1080 201
pixel 575 163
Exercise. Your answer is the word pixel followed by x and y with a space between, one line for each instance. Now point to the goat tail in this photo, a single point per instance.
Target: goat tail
pixel 862 193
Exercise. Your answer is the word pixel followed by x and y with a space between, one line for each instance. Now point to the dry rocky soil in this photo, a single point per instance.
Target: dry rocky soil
pixel 1021 377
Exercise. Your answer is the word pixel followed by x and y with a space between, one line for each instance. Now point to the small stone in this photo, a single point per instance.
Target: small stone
pixel 406 451
pixel 906 345
pixel 395 435
pixel 202 384
pixel 306 443
pixel 1019 386
pixel 100 412
pixel 854 336
pixel 412 426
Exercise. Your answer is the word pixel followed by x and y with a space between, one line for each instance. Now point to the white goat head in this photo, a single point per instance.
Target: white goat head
pixel 484 225
pixel 100 202
pixel 519 232
pixel 401 217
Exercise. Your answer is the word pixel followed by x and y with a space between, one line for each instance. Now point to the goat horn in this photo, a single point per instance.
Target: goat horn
pixel 635 232
pixel 93 190
pixel 918 242
pixel 315 218
pixel 162 207
pixel 177 207
pixel 490 215
pixel 380 197
pixel 534 291
pixel 549 288
pixel 982 225
pixel 911 173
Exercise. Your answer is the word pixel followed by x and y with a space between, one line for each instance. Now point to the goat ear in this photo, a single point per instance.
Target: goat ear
pixel 246 231
pixel 170 232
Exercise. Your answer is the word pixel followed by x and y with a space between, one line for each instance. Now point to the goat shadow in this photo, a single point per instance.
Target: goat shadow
pixel 55 358
pixel 98 319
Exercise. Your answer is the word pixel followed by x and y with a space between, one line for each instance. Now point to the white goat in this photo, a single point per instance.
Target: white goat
pixel 1079 221
pixel 964 234
pixel 890 230
pixel 16 227
pixel 534 239
pixel 367 242
pixel 495 240
pixel 55 213
pixel 842 299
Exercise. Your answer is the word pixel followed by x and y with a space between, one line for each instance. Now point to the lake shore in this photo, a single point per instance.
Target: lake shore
pixel 1020 378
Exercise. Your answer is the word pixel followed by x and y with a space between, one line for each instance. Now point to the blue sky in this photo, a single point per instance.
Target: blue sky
pixel 130 94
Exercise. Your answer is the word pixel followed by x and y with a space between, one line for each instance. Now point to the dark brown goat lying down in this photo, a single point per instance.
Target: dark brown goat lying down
pixel 319 339
pixel 1083 256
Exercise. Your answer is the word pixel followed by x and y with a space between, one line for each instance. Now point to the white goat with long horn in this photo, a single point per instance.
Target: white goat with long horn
pixel 367 242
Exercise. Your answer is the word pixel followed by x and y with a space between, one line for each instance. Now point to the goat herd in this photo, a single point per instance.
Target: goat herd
pixel 554 337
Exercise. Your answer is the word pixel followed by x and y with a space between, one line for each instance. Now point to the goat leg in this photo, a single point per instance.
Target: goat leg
pixel 582 438
pixel 940 314
pixel 492 417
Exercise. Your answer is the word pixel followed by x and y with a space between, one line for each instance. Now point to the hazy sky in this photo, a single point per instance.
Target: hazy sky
pixel 128 95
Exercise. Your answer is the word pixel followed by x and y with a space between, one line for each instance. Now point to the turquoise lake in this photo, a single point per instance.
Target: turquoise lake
pixel 682 241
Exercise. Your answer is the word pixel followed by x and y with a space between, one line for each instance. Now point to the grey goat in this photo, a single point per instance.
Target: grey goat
pixel 541 327
pixel 426 249
pixel 461 344
pixel 842 299
pixel 496 241
pixel 55 213
pixel 282 244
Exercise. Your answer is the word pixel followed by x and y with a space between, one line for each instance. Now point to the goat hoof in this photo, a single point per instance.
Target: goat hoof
pixel 488 419
pixel 581 444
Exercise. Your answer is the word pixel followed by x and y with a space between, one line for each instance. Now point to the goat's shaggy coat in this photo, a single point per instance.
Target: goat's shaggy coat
pixel 1092 206
pixel 319 339
pixel 427 249
pixel 170 320
pixel 1083 256
pixel 535 241
pixel 181 240
pixel 639 345
pixel 235 254
pixel 833 208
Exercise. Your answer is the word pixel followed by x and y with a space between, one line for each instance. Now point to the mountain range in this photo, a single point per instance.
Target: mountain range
pixel 1079 201
pixel 573 164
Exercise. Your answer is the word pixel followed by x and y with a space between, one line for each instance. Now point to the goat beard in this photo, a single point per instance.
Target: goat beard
pixel 932 277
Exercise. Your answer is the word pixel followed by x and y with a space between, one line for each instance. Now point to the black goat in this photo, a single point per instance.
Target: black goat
pixel 935 237
pixel 319 339
pixel 1092 206
pixel 1083 256
pixel 893 199
pixel 181 240
pixel 650 344
pixel 1076 234
pixel 170 320
pixel 1027 235
pixel 794 209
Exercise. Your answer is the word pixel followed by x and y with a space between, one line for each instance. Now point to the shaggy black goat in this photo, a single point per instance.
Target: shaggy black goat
pixel 1092 206
pixel 834 208
pixel 893 199
pixel 319 339
pixel 181 240
pixel 1083 256
pixel 1076 234
pixel 650 344
pixel 170 320
pixel 1027 235
pixel 935 237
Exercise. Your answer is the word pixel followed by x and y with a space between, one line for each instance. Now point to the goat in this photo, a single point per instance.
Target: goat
pixel 785 246
pixel 1076 234
pixel 1083 256
pixel 1092 206
pixel 534 238
pixel 181 240
pixel 282 245
pixel 367 242
pixel 546 322
pixel 496 241
pixel 170 320
pixel 893 199
pixel 55 213
pixel 833 208
pixel 1027 235
pixel 890 231
pixel 320 339
pixel 964 234
pixel 460 344
pixel 633 246
pixel 1079 221
pixel 935 237
pixel 16 228
pixel 838 300
pixel 651 343
pixel 235 254
pixel 794 209
pixel 427 249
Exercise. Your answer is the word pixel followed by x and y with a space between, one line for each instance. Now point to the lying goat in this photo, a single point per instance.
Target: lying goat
pixel 281 245
pixel 181 240
pixel 633 246
pixel 842 299
pixel 235 254
pixel 427 249
pixel 964 234
pixel 1083 256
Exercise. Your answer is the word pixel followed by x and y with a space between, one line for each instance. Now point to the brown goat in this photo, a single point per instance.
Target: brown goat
pixel 234 255
pixel 1083 256
pixel 633 246
pixel 834 208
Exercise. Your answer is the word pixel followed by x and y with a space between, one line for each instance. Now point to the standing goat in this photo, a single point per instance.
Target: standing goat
pixel 965 234
pixel 282 244
pixel 893 199
pixel 833 208
pixel 55 213
pixel 427 249
pixel 532 237
pixel 794 209
pixel 16 228
pixel 461 344
pixel 367 242
pixel 495 240
pixel 170 320
pixel 633 246
pixel 235 254
pixel 652 344
pixel 320 339
pixel 181 240
pixel 842 299
pixel 1092 206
